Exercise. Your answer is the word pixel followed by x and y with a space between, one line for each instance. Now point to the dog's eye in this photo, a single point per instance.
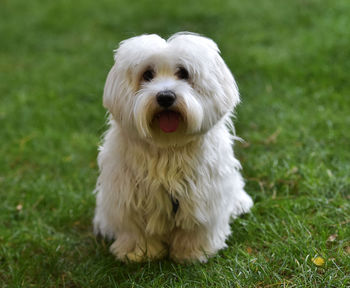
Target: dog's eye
pixel 182 73
pixel 148 75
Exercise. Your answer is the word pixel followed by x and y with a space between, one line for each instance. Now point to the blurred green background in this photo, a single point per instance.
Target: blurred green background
pixel 291 60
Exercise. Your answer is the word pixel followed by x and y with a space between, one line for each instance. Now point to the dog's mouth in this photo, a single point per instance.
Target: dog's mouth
pixel 168 120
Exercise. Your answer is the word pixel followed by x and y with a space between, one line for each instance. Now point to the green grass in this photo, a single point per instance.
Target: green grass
pixel 291 60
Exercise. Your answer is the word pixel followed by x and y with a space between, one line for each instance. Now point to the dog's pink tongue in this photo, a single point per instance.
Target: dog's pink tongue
pixel 169 121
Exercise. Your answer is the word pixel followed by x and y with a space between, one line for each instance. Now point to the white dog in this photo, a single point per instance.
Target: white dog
pixel 169 182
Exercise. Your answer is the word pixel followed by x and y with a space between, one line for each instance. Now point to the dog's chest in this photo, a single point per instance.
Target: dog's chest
pixel 167 182
pixel 172 172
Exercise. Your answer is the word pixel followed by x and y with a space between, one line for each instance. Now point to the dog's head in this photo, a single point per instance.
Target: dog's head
pixel 167 92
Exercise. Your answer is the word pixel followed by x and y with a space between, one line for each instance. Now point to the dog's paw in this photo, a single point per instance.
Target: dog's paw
pixel 141 255
pixel 132 251
pixel 123 245
pixel 102 228
pixel 190 246
pixel 189 256
pixel 243 204
pixel 134 257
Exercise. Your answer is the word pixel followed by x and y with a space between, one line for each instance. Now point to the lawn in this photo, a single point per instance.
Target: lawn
pixel 291 60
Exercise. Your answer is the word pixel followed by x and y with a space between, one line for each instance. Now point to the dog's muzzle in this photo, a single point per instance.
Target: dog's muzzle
pixel 167 119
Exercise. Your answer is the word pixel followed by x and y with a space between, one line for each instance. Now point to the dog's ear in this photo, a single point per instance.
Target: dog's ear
pixel 227 83
pixel 122 80
pixel 110 89
pixel 118 86
pixel 223 75
pixel 117 91
pixel 205 53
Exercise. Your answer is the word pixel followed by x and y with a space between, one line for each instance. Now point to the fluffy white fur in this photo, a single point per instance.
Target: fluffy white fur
pixel 143 168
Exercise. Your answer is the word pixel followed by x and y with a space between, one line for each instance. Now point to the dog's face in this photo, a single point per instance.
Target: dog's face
pixel 168 92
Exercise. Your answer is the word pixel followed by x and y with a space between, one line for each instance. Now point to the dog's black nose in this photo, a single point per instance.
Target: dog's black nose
pixel 166 98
